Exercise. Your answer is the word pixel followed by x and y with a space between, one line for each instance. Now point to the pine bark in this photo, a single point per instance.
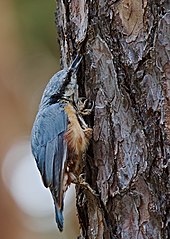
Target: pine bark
pixel 126 71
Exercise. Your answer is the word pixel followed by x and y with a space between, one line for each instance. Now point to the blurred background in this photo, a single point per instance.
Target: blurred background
pixel 29 56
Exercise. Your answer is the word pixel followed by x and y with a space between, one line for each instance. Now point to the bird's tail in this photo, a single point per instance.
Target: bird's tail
pixel 59 205
pixel 59 217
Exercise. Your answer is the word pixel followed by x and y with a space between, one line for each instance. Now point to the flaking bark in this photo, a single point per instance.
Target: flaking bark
pixel 126 71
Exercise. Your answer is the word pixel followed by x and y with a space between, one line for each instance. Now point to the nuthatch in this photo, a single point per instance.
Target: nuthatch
pixel 60 135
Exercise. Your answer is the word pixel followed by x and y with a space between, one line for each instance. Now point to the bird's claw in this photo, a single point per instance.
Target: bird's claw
pixel 81 181
pixel 85 106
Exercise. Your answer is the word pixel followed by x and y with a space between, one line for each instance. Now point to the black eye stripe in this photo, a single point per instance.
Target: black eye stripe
pixel 54 99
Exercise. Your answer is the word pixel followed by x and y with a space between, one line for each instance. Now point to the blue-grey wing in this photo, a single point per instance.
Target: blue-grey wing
pixel 48 145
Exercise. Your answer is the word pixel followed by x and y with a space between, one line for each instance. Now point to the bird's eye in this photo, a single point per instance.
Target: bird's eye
pixel 54 99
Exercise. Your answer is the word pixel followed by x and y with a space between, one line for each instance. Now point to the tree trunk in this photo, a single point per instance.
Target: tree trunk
pixel 126 71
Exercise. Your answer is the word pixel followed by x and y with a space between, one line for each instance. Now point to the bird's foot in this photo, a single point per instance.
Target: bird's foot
pixel 81 181
pixel 85 106
pixel 88 133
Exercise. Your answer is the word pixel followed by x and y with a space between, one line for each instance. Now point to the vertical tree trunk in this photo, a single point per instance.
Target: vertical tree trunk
pixel 126 71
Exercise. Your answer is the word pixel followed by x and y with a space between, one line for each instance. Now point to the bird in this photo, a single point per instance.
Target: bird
pixel 60 135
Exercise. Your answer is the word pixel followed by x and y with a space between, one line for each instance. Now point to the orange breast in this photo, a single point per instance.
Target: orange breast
pixel 75 136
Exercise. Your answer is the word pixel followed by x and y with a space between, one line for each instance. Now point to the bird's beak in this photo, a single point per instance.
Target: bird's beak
pixel 75 64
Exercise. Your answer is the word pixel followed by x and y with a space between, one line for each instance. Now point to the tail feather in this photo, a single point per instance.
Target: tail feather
pixel 59 217
pixel 59 205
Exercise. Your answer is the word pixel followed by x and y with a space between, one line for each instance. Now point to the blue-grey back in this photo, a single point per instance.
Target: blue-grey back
pixel 49 128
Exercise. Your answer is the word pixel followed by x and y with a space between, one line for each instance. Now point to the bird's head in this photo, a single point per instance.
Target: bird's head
pixel 61 84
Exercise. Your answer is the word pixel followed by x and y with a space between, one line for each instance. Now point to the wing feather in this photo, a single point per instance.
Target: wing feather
pixel 58 173
pixel 48 144
pixel 51 154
